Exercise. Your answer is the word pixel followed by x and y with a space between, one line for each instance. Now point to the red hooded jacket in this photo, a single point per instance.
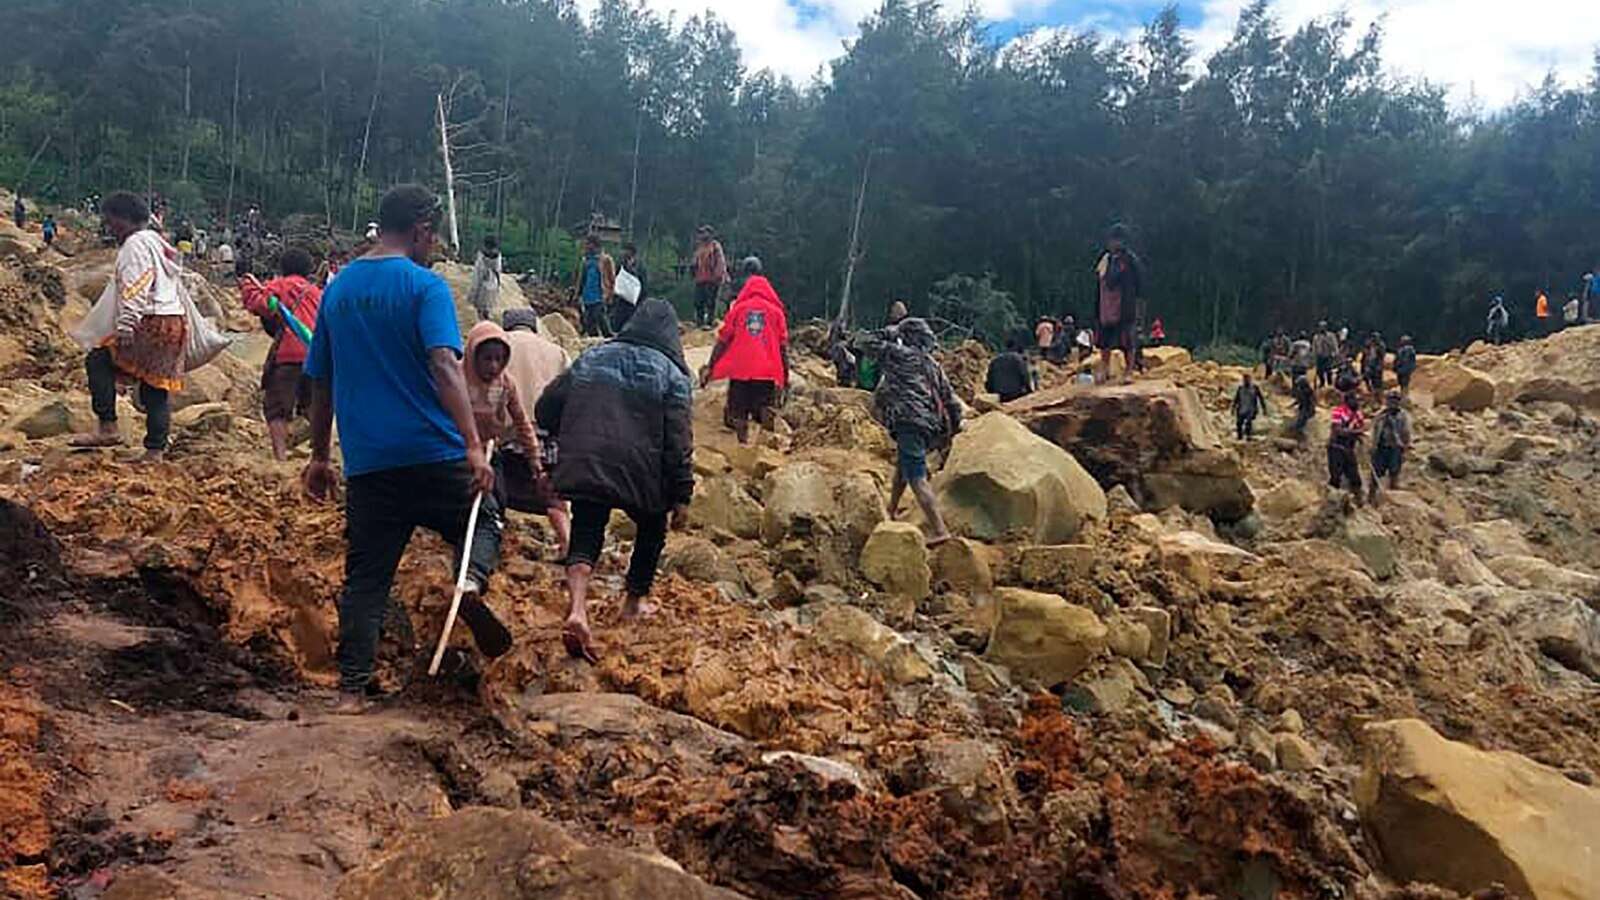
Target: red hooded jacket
pixel 755 330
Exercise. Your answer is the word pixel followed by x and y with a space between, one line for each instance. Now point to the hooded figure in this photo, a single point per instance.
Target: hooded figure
pixel 752 352
pixel 623 417
pixel 500 417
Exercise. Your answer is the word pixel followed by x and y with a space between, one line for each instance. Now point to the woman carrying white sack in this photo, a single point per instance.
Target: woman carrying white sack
pixel 141 329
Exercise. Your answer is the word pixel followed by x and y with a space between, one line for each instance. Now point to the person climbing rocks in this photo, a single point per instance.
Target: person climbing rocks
pixel 1392 441
pixel 1346 379
pixel 1044 336
pixel 1325 352
pixel 898 312
pixel 144 340
pixel 1405 364
pixel 1541 312
pixel 536 362
pixel 1119 276
pixel 752 353
pixel 1499 320
pixel 596 279
pixel 285 391
pixel 49 230
pixel 1248 402
pixel 841 354
pixel 500 415
pixel 484 295
pixel 385 363
pixel 19 212
pixel 624 420
pixel 1009 375
pixel 621 307
pixel 1305 404
pixel 916 404
pixel 1061 342
pixel 1372 359
pixel 1348 429
pixel 710 274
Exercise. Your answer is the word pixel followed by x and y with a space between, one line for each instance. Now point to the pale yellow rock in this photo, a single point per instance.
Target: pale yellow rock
pixel 962 565
pixel 1003 480
pixel 1295 753
pixel 1201 560
pixel 895 558
pixel 1042 637
pixel 1462 818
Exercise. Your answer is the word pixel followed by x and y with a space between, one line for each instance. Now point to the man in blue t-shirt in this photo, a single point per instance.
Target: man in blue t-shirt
pixel 383 362
pixel 597 279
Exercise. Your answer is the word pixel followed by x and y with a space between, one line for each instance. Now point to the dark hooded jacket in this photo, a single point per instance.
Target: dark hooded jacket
pixel 914 391
pixel 622 416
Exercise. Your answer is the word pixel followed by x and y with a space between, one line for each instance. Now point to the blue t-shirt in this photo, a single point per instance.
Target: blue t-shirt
pixel 591 280
pixel 377 322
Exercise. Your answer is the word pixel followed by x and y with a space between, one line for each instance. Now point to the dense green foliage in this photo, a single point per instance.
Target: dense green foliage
pixel 1290 178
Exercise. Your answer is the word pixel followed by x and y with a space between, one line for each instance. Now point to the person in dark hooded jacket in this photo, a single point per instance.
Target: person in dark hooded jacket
pixel 623 417
pixel 916 403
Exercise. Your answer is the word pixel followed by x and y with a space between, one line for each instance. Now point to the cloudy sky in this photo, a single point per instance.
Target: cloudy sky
pixel 1489 51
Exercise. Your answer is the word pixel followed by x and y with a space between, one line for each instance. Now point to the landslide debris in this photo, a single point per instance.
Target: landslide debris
pixel 1156 676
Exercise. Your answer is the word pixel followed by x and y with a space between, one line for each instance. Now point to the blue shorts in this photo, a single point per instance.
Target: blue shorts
pixel 911 444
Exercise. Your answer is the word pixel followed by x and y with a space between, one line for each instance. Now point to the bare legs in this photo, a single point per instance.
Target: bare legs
pixel 923 491
pixel 278 429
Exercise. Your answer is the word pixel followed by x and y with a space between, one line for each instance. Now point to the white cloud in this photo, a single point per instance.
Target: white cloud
pixel 1485 49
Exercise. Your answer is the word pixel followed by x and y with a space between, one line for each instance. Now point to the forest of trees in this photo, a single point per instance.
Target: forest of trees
pixel 1286 177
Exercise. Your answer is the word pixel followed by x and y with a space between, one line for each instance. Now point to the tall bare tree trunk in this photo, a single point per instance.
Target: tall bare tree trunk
pixel 366 136
pixel 233 140
pixel 449 174
pixel 855 242
pixel 188 110
pixel 505 144
pixel 633 191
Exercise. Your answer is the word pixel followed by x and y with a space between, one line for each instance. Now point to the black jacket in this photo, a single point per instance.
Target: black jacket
pixel 622 416
pixel 1009 377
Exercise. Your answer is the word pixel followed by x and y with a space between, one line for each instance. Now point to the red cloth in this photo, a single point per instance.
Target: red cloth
pixel 755 332
pixel 301 297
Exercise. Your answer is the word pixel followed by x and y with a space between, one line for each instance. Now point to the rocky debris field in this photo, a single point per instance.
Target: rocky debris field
pixel 1156 664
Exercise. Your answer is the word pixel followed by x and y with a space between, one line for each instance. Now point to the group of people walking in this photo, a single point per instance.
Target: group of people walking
pixel 1349 371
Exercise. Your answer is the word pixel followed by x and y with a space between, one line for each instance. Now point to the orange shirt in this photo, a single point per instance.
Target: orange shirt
pixel 1541 306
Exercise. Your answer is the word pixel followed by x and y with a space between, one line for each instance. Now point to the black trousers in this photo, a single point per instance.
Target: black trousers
pixel 705 303
pixel 589 537
pixel 103 398
pixel 382 510
pixel 594 322
pixel 1343 469
pixel 1244 426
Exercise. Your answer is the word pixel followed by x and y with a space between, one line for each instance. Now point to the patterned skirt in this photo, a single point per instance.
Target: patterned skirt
pixel 154 354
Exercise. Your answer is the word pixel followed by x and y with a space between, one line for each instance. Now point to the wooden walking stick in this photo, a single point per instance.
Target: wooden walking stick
pixel 461 578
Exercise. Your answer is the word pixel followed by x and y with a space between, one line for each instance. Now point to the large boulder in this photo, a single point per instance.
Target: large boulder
pixel 879 644
pixel 1458 565
pixel 1042 637
pixel 1533 573
pixel 1495 537
pixel 1286 498
pixel 1152 437
pixel 805 498
pixel 44 418
pixel 895 558
pixel 1564 629
pixel 721 502
pixel 1169 357
pixel 1368 539
pixel 1202 560
pixel 1462 818
pixel 962 565
pixel 493 854
pixel 560 329
pixel 1454 385
pixel 1002 480
pixel 459 277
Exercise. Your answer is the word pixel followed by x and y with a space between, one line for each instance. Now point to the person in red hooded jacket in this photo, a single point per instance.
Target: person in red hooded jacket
pixel 752 352
pixel 285 392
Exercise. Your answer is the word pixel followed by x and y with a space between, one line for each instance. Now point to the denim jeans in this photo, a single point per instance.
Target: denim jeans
pixel 103 398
